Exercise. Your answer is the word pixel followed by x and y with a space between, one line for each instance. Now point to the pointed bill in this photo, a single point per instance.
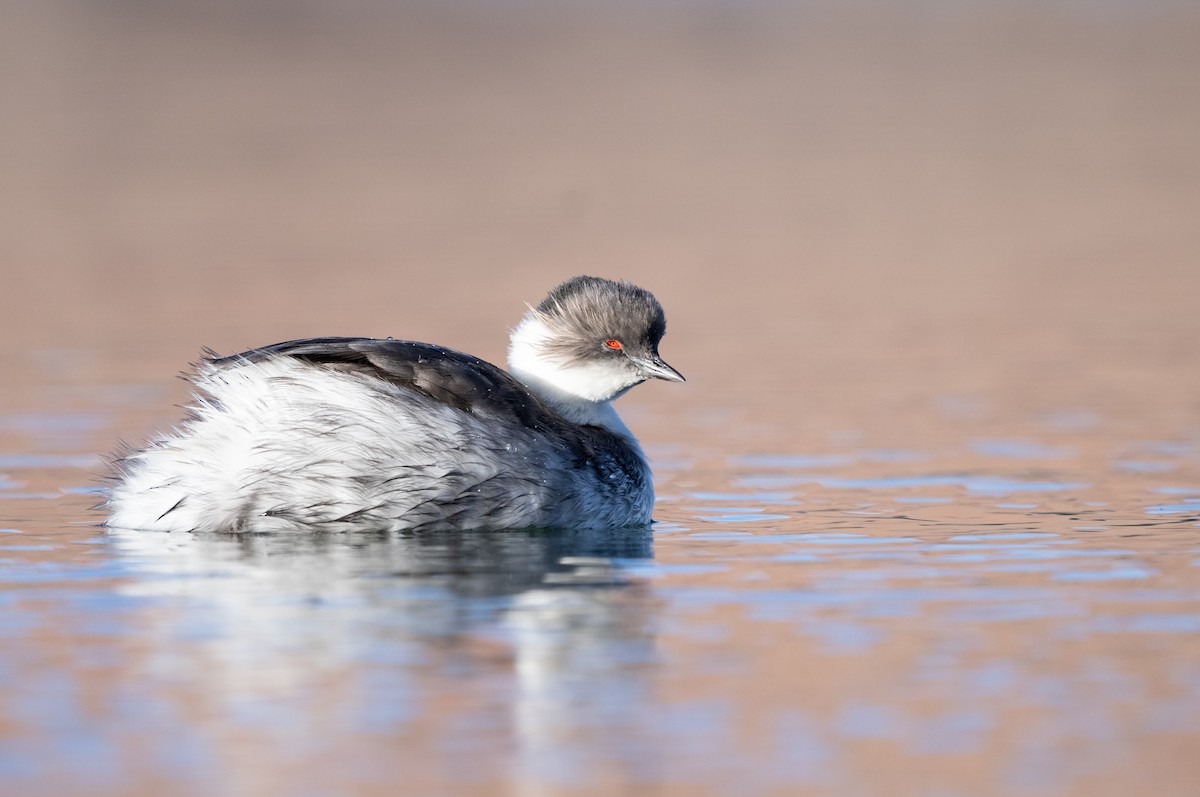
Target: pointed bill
pixel 655 368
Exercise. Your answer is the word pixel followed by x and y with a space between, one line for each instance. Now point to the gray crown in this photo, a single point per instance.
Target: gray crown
pixel 584 312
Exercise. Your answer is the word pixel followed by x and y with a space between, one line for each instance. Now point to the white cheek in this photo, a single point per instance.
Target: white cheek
pixel 592 381
pixel 585 381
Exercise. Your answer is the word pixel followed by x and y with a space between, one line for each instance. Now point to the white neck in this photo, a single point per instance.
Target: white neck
pixel 580 393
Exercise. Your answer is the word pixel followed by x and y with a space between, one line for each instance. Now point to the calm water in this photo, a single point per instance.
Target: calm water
pixel 928 504
pixel 1003 618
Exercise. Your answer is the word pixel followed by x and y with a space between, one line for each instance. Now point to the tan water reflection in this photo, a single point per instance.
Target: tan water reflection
pixel 928 505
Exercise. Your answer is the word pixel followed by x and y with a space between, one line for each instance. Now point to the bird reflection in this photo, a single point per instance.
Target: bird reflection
pixel 383 566
pixel 555 619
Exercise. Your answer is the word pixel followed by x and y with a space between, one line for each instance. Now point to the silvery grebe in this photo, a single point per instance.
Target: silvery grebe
pixel 328 434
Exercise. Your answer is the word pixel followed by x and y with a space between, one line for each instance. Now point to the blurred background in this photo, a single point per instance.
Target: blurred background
pixel 834 199
pixel 927 502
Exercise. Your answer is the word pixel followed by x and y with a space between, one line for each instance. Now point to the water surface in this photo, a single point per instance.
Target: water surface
pixel 928 504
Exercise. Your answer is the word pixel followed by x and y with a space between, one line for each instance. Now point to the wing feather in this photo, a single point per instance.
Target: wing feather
pixel 459 380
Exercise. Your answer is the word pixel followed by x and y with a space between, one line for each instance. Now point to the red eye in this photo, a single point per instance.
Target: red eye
pixel 613 344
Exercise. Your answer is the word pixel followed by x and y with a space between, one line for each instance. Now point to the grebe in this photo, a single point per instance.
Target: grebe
pixel 331 434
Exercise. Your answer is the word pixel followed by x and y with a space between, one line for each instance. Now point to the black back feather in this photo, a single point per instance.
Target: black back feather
pixel 450 377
